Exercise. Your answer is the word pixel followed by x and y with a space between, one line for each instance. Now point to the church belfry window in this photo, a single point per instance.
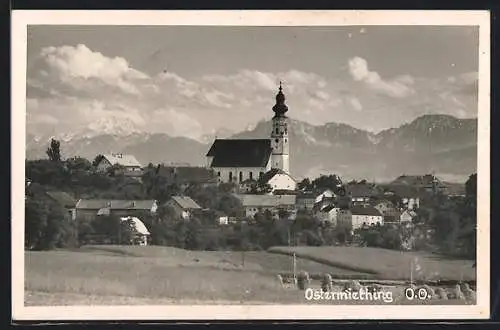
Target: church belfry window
pixel 286 131
pixel 230 176
pixel 277 130
pixel 251 175
pixel 218 174
pixel 241 176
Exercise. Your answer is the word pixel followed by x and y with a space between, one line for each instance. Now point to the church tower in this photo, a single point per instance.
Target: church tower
pixel 280 141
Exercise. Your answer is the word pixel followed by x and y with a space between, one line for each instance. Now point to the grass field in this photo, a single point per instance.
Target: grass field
pixel 163 275
pixel 386 264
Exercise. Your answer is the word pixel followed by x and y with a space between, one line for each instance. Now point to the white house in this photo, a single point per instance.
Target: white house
pixel 260 203
pixel 183 206
pixel 142 233
pixel 128 162
pixel 324 199
pixel 357 216
pixel 328 214
pixel 278 180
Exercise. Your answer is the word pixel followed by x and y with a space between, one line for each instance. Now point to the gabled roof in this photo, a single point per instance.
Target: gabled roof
pixel 328 208
pixel 365 210
pixel 240 153
pixel 62 198
pixel 122 159
pixel 266 200
pixel 404 191
pixel 187 174
pixel 360 190
pixel 97 204
pixel 186 203
pixel 266 177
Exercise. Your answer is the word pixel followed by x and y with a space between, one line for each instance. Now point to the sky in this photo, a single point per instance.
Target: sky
pixel 193 80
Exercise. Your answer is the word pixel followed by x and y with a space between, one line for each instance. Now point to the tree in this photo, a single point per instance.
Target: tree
pixel 54 151
pixel 471 186
pixel 305 184
pixel 331 182
pixel 230 205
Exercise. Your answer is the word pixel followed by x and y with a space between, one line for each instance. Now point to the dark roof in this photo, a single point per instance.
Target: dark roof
pixel 328 208
pixel 365 210
pixel 187 174
pixel 404 191
pixel 240 153
pixel 62 198
pixel 96 204
pixel 186 203
pixel 360 190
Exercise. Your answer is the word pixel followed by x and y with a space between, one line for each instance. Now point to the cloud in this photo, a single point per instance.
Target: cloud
pixel 355 103
pixel 359 71
pixel 74 64
pixel 82 91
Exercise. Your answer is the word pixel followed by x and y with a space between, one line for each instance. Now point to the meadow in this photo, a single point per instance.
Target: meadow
pixel 386 264
pixel 107 275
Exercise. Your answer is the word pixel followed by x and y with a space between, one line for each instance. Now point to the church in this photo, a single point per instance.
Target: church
pixel 239 160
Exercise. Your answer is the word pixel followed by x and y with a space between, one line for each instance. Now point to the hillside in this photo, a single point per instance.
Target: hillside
pixel 432 143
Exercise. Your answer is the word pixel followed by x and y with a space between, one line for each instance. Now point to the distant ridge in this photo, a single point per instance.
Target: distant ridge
pixel 431 143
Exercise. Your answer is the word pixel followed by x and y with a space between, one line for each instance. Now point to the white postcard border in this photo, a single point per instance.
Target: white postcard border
pixel 20 21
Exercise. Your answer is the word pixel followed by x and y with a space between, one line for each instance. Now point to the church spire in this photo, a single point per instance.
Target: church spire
pixel 280 107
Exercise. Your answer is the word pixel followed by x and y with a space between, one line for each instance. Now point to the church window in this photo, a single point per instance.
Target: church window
pixel 230 176
pixel 277 130
pixel 251 175
pixel 261 174
pixel 218 173
pixel 285 140
pixel 241 176
pixel 286 131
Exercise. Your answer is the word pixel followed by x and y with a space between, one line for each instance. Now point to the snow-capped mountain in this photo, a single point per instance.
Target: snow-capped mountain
pixel 432 143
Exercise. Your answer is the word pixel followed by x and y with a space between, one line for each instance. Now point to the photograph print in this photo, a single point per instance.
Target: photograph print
pixel 244 164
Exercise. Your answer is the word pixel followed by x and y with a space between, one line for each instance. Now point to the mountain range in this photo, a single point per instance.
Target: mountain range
pixel 440 144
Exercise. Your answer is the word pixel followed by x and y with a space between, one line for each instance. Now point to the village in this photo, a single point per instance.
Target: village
pixel 254 175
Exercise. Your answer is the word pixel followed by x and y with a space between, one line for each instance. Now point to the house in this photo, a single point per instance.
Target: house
pixel 131 167
pixel 141 232
pixel 305 201
pixel 183 206
pixel 328 214
pixel 278 179
pixel 407 197
pixel 65 200
pixel 360 192
pixel 359 216
pixel 185 175
pixel 260 203
pixel 388 210
pixel 88 209
pixel 327 197
pixel 407 216
pixel 223 220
